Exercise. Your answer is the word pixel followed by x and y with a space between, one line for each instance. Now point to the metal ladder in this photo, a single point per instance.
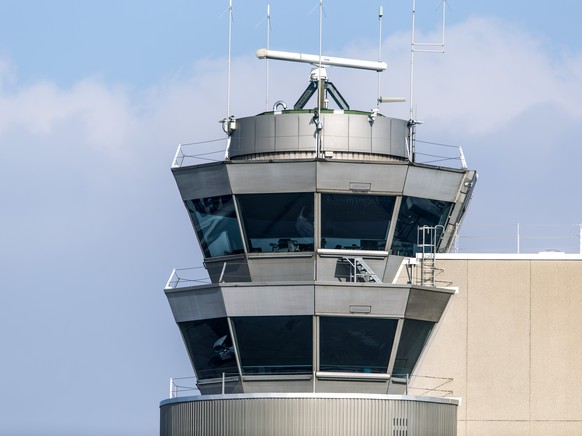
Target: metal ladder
pixel 360 271
pixel 426 243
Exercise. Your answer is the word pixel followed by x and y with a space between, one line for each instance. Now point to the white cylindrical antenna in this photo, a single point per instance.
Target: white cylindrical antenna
pixel 380 15
pixel 263 53
pixel 391 99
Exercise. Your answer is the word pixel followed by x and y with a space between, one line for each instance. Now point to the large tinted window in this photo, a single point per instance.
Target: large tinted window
pixel 275 344
pixel 278 222
pixel 216 225
pixel 355 221
pixel 210 347
pixel 355 344
pixel 414 213
pixel 413 338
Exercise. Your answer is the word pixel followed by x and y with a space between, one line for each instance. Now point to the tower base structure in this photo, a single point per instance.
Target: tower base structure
pixel 308 414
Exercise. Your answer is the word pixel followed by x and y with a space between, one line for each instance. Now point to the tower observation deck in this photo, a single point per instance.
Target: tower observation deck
pixel 304 226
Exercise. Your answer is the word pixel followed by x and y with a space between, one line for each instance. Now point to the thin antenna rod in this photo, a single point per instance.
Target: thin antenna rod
pixel 320 80
pixel 380 15
pixel 229 57
pixel 267 62
pixel 411 117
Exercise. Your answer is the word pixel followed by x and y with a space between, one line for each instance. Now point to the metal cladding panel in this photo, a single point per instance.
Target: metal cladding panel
pixel 381 136
pixel 290 268
pixel 307 136
pixel 265 177
pixel 307 417
pixel 459 209
pixel 398 134
pixel 383 178
pixel 228 269
pixel 202 181
pixel 335 133
pixel 286 133
pixel 392 267
pixel 388 300
pixel 360 134
pixel 264 140
pixel 433 183
pixel 268 300
pixel 201 302
pixel 427 304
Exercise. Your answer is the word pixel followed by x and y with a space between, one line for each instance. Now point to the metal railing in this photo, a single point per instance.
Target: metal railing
pixel 435 153
pixel 183 277
pixel 424 385
pixel 198 152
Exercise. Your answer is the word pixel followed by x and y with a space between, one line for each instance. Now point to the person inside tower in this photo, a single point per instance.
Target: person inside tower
pixel 223 351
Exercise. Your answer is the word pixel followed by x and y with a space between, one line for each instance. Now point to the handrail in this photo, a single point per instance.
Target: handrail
pixel 181 156
pixel 178 279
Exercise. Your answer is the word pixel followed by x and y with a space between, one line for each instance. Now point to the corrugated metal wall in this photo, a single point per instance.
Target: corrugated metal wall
pixel 308 416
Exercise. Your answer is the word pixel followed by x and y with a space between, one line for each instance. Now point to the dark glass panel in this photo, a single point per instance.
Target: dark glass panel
pixel 277 222
pixel 413 338
pixel 275 344
pixel 210 347
pixel 355 222
pixel 355 344
pixel 414 213
pixel 216 225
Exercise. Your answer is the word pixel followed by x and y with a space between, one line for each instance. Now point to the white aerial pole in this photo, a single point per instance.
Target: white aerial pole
pixel 229 58
pixel 267 62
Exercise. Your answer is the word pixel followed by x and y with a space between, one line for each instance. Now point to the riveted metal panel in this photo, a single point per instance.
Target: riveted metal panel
pixel 308 416
pixel 427 304
pixel 262 177
pixel 385 178
pixel 202 181
pixel 200 302
pixel 433 183
pixel 383 300
pixel 259 300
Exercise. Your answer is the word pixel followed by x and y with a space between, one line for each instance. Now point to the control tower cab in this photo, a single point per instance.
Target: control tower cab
pixel 305 227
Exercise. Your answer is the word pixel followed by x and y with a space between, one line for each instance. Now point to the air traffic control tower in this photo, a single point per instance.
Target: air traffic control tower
pixel 304 227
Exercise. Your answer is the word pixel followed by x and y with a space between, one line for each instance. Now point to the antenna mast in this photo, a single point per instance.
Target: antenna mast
pixel 267 62
pixel 424 47
pixel 320 95
pixel 380 15
pixel 229 57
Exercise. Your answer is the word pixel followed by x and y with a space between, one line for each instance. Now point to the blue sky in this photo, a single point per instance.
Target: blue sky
pixel 95 97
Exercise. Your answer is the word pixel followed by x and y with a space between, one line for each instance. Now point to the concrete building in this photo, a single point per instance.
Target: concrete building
pixel 510 341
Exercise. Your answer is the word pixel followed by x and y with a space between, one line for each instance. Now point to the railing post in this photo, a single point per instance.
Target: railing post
pixel 171 388
pixel 223 381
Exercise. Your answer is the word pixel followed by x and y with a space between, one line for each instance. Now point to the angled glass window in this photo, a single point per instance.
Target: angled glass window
pixel 210 347
pixel 413 338
pixel 275 344
pixel 355 344
pixel 414 213
pixel 355 222
pixel 277 222
pixel 216 225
